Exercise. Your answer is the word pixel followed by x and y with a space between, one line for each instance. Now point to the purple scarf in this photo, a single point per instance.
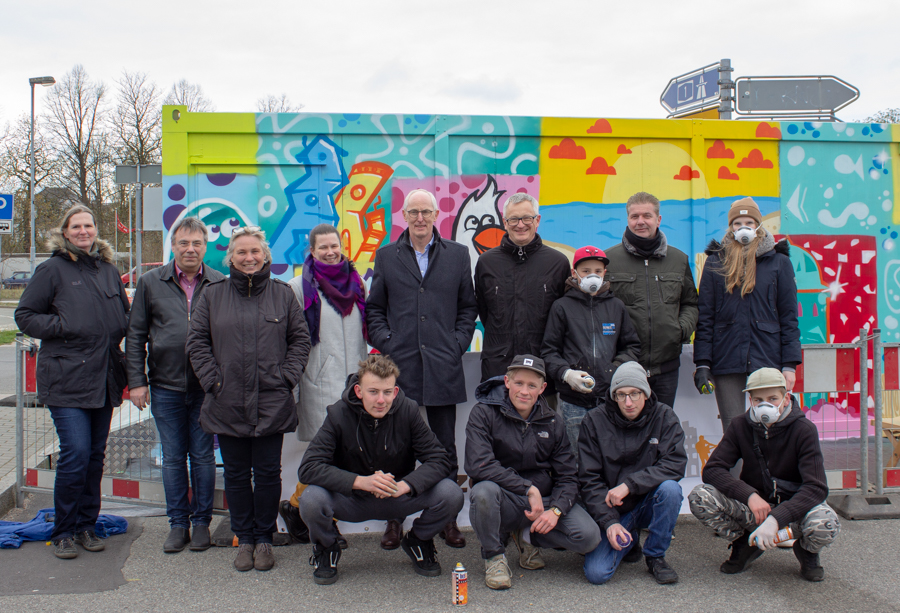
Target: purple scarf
pixel 342 287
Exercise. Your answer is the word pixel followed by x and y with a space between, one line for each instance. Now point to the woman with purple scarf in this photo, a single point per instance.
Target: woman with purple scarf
pixel 333 298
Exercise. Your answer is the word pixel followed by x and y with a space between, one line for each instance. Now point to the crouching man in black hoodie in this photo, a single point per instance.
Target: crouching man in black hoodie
pixel 632 457
pixel 361 466
pixel 519 457
pixel 782 481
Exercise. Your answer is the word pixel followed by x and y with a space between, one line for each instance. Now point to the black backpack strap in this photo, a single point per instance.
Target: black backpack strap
pixel 767 476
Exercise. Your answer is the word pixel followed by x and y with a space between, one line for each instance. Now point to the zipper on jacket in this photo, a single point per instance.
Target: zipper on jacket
pixel 249 286
pixel 649 309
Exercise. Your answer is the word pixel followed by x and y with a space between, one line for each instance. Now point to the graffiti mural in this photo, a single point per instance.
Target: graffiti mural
pixel 828 188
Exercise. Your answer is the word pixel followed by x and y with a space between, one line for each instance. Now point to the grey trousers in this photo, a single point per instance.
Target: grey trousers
pixel 439 505
pixel 730 396
pixel 731 519
pixel 494 511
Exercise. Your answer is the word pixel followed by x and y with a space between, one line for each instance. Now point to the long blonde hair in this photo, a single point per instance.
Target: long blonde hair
pixel 739 263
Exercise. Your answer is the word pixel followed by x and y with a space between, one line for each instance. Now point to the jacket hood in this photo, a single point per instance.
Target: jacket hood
pixel 355 404
pixel 493 393
pixel 520 253
pixel 57 244
pixel 766 245
pixel 651 406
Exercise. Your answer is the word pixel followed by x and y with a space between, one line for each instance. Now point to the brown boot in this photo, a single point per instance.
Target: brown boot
pixel 452 536
pixel 392 534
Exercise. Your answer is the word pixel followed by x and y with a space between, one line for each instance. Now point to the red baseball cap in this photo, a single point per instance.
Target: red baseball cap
pixel 589 253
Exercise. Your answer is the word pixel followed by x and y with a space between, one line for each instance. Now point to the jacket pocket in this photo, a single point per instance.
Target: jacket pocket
pixel 669 285
pixel 768 326
pixel 623 287
pixel 328 364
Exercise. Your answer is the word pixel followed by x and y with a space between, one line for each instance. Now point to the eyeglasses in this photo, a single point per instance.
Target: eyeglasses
pixel 635 396
pixel 514 221
pixel 186 244
pixel 425 213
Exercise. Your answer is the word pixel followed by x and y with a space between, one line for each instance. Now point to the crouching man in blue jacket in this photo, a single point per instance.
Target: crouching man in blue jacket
pixel 361 465
pixel 519 457
pixel 632 457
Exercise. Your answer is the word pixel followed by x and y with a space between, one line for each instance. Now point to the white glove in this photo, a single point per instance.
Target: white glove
pixel 765 535
pixel 575 379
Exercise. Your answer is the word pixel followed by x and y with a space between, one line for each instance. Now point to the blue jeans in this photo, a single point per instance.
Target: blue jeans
pixel 177 416
pixel 657 512
pixel 79 471
pixel 574 415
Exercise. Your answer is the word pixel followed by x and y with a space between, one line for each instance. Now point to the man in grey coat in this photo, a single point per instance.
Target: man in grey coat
pixel 421 312
pixel 160 317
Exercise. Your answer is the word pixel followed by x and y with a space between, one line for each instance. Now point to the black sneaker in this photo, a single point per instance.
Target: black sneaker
pixel 661 570
pixel 293 522
pixel 89 540
pixel 65 548
pixel 809 563
pixel 742 553
pixel 422 554
pixel 324 562
pixel 634 554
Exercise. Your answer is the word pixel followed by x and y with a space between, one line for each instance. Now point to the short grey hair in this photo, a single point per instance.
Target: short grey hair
pixel 189 225
pixel 522 197
pixel 642 198
pixel 420 191
pixel 253 231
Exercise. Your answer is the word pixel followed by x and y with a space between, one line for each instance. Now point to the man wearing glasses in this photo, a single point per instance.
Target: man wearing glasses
pixel 161 315
pixel 515 285
pixel 632 457
pixel 421 312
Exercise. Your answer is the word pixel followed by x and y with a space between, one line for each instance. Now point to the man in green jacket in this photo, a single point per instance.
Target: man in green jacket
pixel 655 282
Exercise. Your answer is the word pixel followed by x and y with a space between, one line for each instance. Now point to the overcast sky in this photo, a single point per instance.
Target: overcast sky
pixel 517 57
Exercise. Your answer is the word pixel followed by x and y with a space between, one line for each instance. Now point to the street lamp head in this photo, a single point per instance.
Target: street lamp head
pixel 45 81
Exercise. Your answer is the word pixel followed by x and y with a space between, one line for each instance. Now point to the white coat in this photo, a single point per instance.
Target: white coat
pixel 341 347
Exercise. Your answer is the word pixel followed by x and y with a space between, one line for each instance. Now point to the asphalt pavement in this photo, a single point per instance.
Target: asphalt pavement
pixel 861 574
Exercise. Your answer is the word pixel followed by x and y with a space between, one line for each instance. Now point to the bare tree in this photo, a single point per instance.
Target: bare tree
pixel 75 117
pixel 274 104
pixel 137 120
pixel 189 95
pixel 885 116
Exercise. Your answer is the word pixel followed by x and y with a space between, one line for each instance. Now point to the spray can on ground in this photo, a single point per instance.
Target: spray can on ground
pixel 460 579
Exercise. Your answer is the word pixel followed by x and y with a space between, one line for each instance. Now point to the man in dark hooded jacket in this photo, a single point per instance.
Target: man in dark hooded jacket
pixel 361 466
pixel 782 483
pixel 518 456
pixel 632 457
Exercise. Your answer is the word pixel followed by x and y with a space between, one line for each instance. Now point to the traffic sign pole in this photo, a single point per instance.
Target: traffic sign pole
pixel 726 87
pixel 140 227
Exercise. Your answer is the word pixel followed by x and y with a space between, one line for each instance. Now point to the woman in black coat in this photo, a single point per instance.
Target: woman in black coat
pixel 248 345
pixel 748 311
pixel 76 305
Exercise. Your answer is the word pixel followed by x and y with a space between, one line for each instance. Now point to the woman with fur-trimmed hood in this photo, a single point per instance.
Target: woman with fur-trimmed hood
pixel 748 311
pixel 76 305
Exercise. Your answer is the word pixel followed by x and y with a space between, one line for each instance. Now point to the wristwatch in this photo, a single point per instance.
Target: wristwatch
pixel 556 511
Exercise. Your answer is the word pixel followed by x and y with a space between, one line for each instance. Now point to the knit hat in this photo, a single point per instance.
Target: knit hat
pixel 745 207
pixel 589 253
pixel 629 374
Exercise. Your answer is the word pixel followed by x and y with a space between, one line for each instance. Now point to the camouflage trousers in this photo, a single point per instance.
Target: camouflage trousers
pixel 730 519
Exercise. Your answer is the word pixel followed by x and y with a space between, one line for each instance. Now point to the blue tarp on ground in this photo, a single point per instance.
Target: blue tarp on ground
pixel 14 533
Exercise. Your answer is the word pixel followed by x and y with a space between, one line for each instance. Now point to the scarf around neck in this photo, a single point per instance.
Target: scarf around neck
pixel 341 286
pixel 645 247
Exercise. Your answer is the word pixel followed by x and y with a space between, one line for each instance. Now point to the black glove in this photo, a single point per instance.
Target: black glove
pixel 703 381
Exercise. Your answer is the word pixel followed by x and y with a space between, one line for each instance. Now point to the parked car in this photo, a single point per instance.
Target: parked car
pixel 129 277
pixel 18 280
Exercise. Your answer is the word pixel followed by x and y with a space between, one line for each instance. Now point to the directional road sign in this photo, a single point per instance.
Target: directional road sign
pixel 691 90
pixel 792 95
pixel 6 213
pixel 150 173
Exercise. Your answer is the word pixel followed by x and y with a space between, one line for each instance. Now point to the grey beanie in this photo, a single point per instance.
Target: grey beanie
pixel 629 374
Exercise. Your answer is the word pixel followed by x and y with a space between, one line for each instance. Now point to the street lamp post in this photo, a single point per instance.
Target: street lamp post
pixel 46 82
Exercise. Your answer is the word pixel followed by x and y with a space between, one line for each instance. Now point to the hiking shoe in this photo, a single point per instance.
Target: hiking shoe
pixel 324 562
pixel 65 548
pixel 635 554
pixel 293 522
pixel 742 553
pixel 497 575
pixel 529 556
pixel 661 570
pixel 422 554
pixel 89 540
pixel 177 540
pixel 244 559
pixel 200 540
pixel 263 557
pixel 340 537
pixel 809 563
